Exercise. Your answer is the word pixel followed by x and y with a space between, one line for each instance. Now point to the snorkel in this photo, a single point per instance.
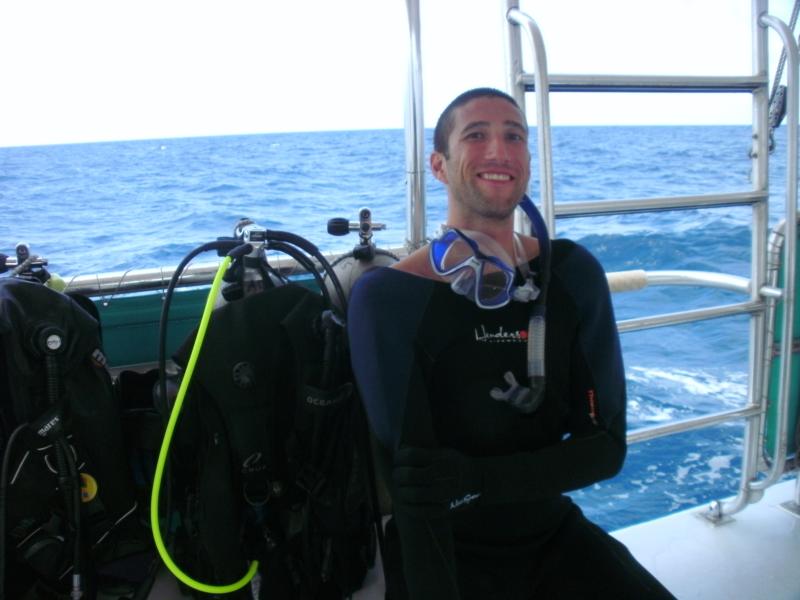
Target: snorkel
pixel 536 322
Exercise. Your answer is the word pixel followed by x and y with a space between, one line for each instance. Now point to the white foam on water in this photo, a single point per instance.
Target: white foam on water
pixel 659 395
pixel 647 411
pixel 679 500
pixel 698 382
pixel 720 462
pixel 715 464
pixel 681 474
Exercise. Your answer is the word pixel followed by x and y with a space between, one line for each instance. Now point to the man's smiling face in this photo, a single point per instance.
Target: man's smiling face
pixel 487 163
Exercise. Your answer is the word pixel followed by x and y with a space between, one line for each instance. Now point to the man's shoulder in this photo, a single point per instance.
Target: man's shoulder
pixel 575 265
pixel 388 300
pixel 562 247
pixel 386 286
pixel 417 263
pixel 568 251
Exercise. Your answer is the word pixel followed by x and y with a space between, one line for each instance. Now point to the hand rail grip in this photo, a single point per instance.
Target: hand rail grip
pixel 635 279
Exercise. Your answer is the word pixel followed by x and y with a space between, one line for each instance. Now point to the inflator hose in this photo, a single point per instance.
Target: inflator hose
pixel 163 453
pixel 219 245
pixel 3 490
pixel 68 477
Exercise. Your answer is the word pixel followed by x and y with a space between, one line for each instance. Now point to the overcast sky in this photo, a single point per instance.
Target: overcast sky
pixel 87 70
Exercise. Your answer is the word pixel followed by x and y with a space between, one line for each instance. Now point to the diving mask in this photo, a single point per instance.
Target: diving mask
pixel 478 268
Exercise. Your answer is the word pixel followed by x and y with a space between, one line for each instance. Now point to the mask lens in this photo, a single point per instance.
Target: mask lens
pixel 464 282
pixel 495 283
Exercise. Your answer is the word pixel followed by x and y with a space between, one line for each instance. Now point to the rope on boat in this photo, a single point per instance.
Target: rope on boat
pixel 782 61
pixel 777 97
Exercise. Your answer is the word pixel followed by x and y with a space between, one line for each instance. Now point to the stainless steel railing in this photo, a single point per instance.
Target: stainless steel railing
pixel 762 294
pixel 790 245
pixel 414 135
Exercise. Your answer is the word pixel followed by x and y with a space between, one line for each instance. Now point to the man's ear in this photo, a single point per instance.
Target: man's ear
pixel 437 166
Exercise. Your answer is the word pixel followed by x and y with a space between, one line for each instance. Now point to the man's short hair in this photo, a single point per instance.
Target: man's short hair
pixel 444 126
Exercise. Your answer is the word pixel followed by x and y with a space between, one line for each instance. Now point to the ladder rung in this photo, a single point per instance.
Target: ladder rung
pixel 587 208
pixel 647 83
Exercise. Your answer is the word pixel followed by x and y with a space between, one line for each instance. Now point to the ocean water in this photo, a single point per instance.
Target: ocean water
pixel 115 206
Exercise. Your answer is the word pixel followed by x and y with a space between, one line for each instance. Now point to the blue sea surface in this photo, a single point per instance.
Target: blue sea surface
pixel 116 206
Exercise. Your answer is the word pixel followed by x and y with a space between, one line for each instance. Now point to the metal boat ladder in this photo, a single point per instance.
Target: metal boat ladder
pixel 763 296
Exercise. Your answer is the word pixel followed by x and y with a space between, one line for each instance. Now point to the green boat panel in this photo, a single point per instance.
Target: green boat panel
pixel 130 324
pixel 770 433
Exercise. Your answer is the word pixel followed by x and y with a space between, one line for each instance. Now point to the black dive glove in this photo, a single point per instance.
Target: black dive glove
pixel 430 482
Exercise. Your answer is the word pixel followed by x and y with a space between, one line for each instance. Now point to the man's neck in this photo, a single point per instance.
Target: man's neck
pixel 501 231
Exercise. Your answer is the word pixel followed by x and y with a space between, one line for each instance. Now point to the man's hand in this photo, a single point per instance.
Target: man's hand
pixel 429 483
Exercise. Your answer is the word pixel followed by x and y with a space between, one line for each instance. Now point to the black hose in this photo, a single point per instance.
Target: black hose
pixel 70 484
pixel 3 490
pixel 68 479
pixel 218 245
pixel 311 249
pixel 303 260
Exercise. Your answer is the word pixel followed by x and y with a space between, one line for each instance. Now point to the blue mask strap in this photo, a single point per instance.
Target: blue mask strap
pixel 539 231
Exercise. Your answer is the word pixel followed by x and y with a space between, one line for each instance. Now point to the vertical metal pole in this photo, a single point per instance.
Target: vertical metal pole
pixel 789 249
pixel 758 261
pixel 414 136
pixel 513 55
pixel 515 86
pixel 542 85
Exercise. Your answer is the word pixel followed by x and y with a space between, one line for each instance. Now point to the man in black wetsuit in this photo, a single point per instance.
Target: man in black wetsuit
pixel 476 445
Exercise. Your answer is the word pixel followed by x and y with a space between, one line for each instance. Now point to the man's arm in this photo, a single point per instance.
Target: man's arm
pixel 596 426
pixel 594 447
pixel 385 309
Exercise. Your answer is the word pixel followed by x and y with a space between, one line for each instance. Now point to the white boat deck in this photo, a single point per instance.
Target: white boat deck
pixel 752 557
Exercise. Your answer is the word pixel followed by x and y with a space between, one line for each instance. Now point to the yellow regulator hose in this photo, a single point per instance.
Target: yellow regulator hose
pixel 162 456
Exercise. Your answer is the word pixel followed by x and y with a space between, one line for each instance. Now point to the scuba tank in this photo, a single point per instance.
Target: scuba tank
pixel 364 255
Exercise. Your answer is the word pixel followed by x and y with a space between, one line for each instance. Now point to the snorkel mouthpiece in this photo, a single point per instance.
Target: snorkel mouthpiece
pixel 527 292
